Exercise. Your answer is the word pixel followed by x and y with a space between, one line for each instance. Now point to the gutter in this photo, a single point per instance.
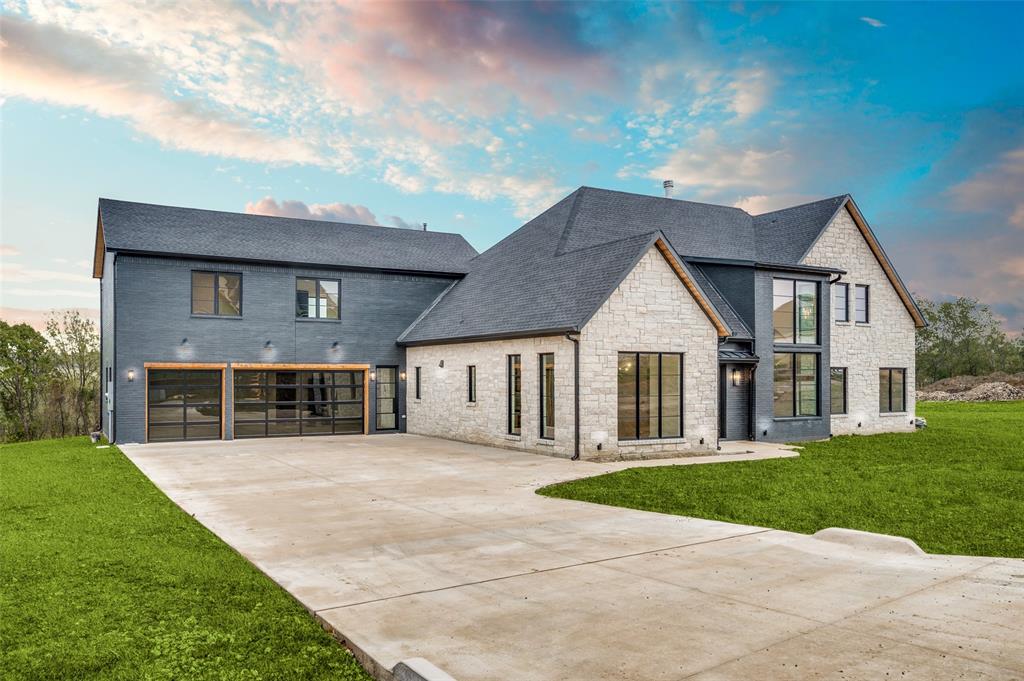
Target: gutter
pixel 575 338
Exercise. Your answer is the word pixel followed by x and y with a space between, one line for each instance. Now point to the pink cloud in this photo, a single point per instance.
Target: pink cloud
pixel 332 212
pixel 995 188
pixel 37 318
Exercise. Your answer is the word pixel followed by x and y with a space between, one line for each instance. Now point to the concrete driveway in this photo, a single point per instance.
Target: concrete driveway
pixel 416 547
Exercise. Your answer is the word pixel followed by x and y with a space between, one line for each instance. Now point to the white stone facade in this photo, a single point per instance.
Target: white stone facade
pixel 650 311
pixel 886 340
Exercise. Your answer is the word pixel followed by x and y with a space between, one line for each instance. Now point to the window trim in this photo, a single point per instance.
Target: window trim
pixel 796 312
pixel 471 383
pixel 661 400
pixel 867 304
pixel 846 300
pixel 417 373
pixel 317 281
pixel 846 390
pixel 890 410
pixel 216 298
pixel 793 374
pixel 508 394
pixel 541 385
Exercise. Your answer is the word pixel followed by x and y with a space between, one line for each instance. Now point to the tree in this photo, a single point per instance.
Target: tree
pixel 963 338
pixel 25 369
pixel 76 358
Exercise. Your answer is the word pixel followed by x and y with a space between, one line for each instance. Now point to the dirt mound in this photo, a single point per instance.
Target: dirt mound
pixel 994 391
pixel 959 384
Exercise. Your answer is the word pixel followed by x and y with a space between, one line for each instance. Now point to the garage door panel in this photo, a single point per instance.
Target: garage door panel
pixel 297 403
pixel 183 404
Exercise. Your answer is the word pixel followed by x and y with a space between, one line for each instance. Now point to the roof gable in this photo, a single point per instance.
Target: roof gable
pixel 149 228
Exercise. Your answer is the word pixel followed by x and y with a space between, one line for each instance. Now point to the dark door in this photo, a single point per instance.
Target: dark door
pixel 734 402
pixel 183 404
pixel 282 403
pixel 387 398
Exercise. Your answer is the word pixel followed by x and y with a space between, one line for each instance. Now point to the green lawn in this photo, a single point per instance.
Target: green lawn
pixel 955 487
pixel 103 577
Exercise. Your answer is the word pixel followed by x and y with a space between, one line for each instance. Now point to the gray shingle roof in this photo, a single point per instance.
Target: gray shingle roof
pixel 783 236
pixel 727 312
pixel 149 228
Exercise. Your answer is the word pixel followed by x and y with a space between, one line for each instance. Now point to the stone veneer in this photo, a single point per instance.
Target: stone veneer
pixel 886 340
pixel 650 311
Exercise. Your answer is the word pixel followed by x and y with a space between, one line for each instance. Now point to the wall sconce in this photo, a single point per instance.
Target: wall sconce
pixel 131 375
pixel 334 345
pixel 184 341
pixel 402 375
pixel 441 364
pixel 735 377
pixel 373 375
pixel 268 345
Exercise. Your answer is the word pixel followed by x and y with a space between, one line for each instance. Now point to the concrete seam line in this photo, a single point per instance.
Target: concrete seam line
pixel 537 572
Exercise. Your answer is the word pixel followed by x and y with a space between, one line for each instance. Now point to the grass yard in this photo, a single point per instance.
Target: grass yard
pixel 104 577
pixel 955 487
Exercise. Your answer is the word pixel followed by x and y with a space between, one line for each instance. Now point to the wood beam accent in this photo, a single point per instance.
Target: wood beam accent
pixel 249 366
pixel 692 288
pixel 185 365
pixel 99 251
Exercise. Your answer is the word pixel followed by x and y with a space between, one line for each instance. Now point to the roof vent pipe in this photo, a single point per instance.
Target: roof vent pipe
pixel 424 226
pixel 669 186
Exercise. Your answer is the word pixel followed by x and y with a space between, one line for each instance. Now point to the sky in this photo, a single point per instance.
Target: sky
pixel 474 117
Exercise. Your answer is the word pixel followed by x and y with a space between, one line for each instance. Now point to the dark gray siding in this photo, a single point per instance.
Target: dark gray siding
pixel 737 403
pixel 153 312
pixel 736 283
pixel 766 426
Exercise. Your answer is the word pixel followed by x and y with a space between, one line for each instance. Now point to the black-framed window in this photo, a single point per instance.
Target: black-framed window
pixel 837 376
pixel 795 390
pixel 862 303
pixel 650 395
pixel 217 294
pixel 387 398
pixel 795 311
pixel 892 390
pixel 317 298
pixel 282 403
pixel 514 378
pixel 842 302
pixel 416 374
pixel 471 383
pixel 547 396
pixel 183 404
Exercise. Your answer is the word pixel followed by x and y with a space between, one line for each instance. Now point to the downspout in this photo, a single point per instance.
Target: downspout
pixel 836 280
pixel 576 393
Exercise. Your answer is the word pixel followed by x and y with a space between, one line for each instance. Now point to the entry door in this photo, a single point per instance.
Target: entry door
pixel 183 404
pixel 735 402
pixel 387 398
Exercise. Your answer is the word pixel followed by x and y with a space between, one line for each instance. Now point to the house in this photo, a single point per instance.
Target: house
pixel 612 325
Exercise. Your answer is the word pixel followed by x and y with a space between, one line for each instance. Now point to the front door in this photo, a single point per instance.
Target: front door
pixel 734 402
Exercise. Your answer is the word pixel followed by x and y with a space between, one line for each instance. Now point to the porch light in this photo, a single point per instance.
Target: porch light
pixel 373 375
pixel 131 375
pixel 736 377
pixel 402 375
pixel 268 345
pixel 441 364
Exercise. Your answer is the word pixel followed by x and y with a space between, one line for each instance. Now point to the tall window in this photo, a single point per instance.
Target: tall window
pixel 387 398
pixel 862 304
pixel 796 384
pixel 547 396
pixel 795 311
pixel 515 395
pixel 316 298
pixel 838 390
pixel 418 383
pixel 842 302
pixel 217 293
pixel 650 395
pixel 471 383
pixel 892 390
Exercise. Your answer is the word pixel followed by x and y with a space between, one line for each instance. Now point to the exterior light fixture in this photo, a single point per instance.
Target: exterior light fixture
pixel 735 376
pixel 334 345
pixel 184 341
pixel 402 375
pixel 268 345
pixel 441 364
pixel 131 375
pixel 373 375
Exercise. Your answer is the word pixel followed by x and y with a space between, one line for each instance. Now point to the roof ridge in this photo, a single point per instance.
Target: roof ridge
pixel 570 221
pixel 664 198
pixel 103 199
pixel 802 205
pixel 638 236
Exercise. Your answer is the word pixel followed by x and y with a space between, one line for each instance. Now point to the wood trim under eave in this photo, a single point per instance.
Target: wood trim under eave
pixel 185 365
pixel 691 287
pixel 876 249
pixel 99 250
pixel 287 367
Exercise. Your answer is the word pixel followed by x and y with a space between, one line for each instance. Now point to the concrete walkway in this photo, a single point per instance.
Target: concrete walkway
pixel 416 547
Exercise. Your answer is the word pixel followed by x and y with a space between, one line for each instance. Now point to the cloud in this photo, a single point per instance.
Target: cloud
pixel 751 89
pixel 871 21
pixel 997 188
pixel 17 273
pixel 403 224
pixel 37 318
pixel 332 212
pixel 9 251
pixel 762 203
pixel 50 64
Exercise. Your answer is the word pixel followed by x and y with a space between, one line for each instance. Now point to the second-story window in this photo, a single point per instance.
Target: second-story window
pixel 842 302
pixel 317 298
pixel 862 305
pixel 795 311
pixel 217 294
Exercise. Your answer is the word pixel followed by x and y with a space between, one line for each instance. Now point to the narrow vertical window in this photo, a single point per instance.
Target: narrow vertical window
pixel 515 395
pixel 471 383
pixel 842 302
pixel 838 390
pixel 627 395
pixel 782 310
pixel 892 390
pixel 417 383
pixel 387 398
pixel 547 396
pixel 861 304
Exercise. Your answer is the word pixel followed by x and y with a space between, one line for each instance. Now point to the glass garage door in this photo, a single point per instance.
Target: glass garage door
pixel 183 405
pixel 282 403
